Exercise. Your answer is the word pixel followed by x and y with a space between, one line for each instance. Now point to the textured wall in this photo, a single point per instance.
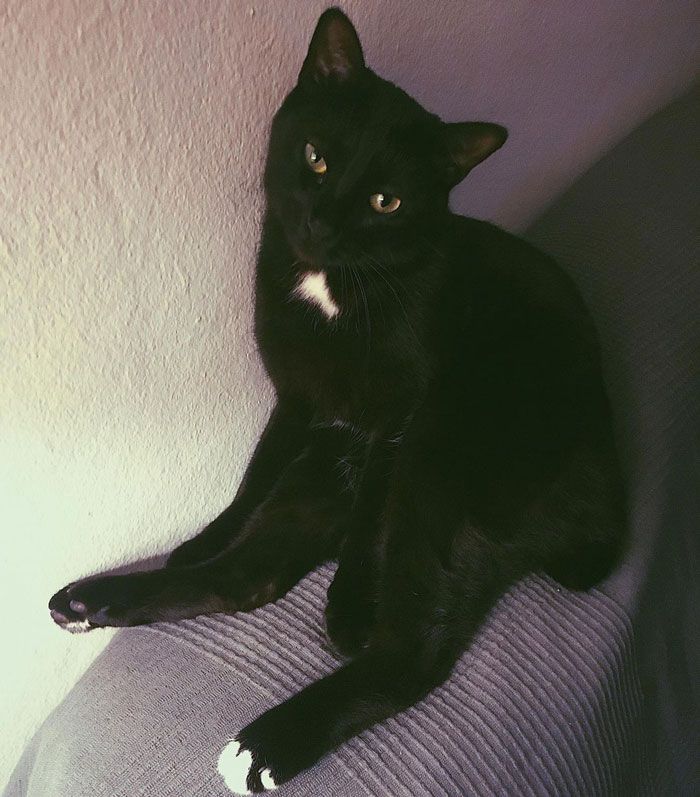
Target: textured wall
pixel 132 138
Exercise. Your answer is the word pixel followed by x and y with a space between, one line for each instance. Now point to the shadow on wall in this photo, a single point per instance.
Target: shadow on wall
pixel 628 233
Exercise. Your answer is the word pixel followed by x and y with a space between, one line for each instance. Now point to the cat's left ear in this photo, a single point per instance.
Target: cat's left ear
pixel 335 55
pixel 469 143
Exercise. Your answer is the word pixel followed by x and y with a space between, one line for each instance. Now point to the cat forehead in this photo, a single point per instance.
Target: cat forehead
pixel 383 142
pixel 377 111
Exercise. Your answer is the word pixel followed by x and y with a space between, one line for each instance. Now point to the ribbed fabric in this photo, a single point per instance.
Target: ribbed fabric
pixel 544 703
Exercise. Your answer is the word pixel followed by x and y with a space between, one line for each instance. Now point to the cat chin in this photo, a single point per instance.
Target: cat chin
pixel 310 258
pixel 309 261
pixel 331 259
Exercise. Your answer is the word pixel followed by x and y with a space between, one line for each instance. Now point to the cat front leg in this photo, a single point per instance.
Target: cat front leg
pixel 404 661
pixel 429 613
pixel 351 606
pixel 283 439
pixel 228 583
pixel 296 528
pixel 260 569
pixel 135 599
pixel 439 578
pixel 354 592
pixel 295 735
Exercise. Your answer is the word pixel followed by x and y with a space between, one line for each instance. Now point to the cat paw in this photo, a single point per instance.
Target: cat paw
pixel 276 746
pixel 70 613
pixel 243 771
pixel 348 631
pixel 100 601
pixel 349 619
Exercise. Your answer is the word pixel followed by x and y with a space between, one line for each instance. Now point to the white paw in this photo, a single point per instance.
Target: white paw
pixel 78 626
pixel 235 763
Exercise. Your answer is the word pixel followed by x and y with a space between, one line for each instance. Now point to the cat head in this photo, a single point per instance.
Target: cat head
pixel 357 171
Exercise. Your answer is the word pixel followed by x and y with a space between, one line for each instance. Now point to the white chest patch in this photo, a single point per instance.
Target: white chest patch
pixel 313 287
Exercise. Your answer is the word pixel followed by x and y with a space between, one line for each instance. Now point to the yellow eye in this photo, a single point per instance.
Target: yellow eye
pixel 315 160
pixel 384 203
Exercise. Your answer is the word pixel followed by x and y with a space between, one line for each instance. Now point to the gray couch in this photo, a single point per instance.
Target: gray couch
pixel 562 693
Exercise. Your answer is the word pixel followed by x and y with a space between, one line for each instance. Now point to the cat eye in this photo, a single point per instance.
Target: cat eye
pixel 314 159
pixel 384 203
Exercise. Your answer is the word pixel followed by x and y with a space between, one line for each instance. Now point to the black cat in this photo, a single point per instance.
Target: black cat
pixel 441 425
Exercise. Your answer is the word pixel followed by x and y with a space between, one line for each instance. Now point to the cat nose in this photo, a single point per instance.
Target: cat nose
pixel 319 228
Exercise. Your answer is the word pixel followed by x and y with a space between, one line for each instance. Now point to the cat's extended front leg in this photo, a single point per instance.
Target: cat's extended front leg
pixel 292 531
pixel 144 597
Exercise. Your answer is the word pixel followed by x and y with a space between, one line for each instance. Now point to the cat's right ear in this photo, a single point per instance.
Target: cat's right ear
pixel 469 143
pixel 335 55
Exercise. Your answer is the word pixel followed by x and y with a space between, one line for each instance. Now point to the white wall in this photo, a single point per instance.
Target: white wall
pixel 132 137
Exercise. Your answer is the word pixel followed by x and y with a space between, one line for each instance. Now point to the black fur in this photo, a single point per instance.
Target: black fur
pixel 445 434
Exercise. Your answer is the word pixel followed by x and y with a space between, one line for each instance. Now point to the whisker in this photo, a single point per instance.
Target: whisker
pixel 382 272
pixel 379 301
pixel 363 294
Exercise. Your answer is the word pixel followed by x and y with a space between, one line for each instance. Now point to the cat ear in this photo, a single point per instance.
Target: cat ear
pixel 335 54
pixel 469 143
